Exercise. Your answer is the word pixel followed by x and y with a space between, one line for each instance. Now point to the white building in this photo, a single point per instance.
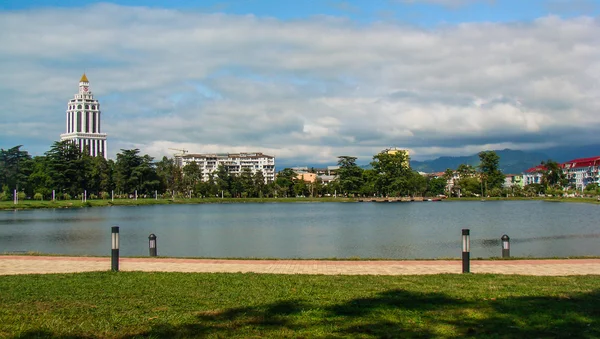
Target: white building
pixel 83 121
pixel 582 172
pixel 234 163
pixel 533 175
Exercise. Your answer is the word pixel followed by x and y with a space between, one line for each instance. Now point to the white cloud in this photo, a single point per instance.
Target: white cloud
pixel 306 90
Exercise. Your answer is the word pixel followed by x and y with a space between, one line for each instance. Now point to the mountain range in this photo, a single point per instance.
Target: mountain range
pixel 511 161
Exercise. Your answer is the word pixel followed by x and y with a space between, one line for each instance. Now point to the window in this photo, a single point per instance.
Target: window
pixel 78 106
pixel 87 106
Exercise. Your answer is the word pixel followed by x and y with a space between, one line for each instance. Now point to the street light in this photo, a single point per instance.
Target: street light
pixel 115 249
pixel 466 250
pixel 152 244
pixel 505 246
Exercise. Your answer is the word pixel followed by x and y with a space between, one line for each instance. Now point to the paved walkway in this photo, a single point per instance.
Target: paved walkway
pixel 12 264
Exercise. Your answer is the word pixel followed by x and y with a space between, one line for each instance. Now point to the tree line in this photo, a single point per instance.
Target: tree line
pixel 69 172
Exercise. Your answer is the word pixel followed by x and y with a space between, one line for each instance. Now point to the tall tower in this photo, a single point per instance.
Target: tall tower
pixel 83 121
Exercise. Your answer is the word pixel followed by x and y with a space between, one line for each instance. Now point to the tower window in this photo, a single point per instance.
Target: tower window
pixel 93 106
pixel 78 106
pixel 87 106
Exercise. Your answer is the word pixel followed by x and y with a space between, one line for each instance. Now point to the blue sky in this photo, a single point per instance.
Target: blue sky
pixel 306 81
pixel 426 13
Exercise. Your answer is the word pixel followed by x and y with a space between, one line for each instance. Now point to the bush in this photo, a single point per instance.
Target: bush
pixel 66 196
pixel 104 195
pixel 38 196
pixel 4 196
pixel 93 196
pixel 21 195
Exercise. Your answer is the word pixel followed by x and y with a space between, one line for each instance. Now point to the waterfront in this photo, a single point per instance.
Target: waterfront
pixel 311 230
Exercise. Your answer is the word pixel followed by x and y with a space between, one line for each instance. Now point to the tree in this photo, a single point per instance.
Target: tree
pixel 259 183
pixel 135 173
pixel 15 167
pixel 436 186
pixel 492 176
pixel 192 175
pixel 65 168
pixel 349 175
pixel 285 181
pixel 392 172
pixel 553 175
pixel 247 183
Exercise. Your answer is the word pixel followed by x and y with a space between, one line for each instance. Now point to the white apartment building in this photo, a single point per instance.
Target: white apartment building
pixel 582 172
pixel 533 175
pixel 83 121
pixel 235 163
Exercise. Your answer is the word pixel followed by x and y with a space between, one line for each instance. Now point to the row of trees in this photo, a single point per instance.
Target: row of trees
pixel 69 172
pixel 390 176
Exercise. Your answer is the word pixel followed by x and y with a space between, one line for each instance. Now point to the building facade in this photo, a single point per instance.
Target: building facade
pixel 83 121
pixel 234 163
pixel 582 172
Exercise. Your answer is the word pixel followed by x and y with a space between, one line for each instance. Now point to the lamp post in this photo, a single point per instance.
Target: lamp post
pixel 466 250
pixel 152 244
pixel 115 249
pixel 505 246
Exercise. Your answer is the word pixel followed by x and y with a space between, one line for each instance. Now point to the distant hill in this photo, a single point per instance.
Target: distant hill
pixel 511 161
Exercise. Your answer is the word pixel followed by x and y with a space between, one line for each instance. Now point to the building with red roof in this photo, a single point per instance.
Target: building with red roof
pixel 582 172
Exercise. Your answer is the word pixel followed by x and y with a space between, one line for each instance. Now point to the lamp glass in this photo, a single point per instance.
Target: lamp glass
pixel 115 241
pixel 465 242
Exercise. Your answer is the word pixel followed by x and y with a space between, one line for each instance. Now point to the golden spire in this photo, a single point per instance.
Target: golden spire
pixel 84 78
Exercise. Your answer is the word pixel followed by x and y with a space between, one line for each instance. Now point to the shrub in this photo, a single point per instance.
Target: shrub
pixel 21 195
pixel 93 196
pixel 104 195
pixel 38 196
pixel 66 196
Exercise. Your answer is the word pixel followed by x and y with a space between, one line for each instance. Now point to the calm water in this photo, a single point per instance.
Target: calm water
pixel 311 230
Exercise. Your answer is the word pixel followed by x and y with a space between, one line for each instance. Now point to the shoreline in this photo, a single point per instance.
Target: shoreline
pixel 34 204
pixel 349 259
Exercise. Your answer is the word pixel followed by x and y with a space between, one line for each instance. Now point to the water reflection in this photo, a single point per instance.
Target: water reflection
pixel 310 230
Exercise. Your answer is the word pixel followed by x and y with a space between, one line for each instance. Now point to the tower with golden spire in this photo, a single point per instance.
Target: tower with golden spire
pixel 83 121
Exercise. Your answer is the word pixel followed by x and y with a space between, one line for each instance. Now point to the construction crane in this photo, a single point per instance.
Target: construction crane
pixel 179 156
pixel 183 151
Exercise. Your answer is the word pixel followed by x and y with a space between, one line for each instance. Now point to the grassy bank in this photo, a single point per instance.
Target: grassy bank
pixel 33 204
pixel 133 304
pixel 28 204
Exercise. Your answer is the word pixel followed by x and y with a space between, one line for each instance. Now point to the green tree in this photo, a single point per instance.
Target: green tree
pixel 492 176
pixel 285 181
pixel 392 173
pixel 223 180
pixel 552 175
pixel 65 167
pixel 436 186
pixel 15 167
pixel 259 183
pixel 349 175
pixel 135 173
pixel 246 180
pixel 192 175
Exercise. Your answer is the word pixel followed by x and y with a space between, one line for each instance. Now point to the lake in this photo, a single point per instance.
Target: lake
pixel 311 230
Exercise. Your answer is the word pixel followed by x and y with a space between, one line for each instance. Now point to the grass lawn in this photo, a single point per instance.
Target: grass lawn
pixel 134 304
pixel 27 204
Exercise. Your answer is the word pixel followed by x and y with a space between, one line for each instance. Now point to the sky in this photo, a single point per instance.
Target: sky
pixel 305 81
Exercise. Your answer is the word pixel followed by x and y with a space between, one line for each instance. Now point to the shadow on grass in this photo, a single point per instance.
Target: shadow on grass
pixel 395 314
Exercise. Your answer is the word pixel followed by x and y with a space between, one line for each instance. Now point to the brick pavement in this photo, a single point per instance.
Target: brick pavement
pixel 13 264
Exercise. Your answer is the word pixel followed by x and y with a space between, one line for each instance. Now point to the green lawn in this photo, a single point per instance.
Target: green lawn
pixel 27 204
pixel 128 305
